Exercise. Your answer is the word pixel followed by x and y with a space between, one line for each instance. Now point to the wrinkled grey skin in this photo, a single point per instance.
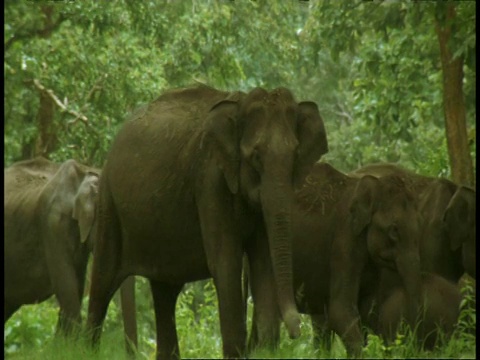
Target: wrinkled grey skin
pixel 49 215
pixel 344 229
pixel 49 225
pixel 192 181
pixel 440 310
pixel 447 246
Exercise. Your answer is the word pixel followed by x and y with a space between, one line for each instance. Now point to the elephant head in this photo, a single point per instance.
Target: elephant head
pixel 73 191
pixel 449 229
pixel 386 210
pixel 447 244
pixel 263 142
pixel 84 206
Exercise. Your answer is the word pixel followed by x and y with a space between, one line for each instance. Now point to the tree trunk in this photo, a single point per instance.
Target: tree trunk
pixel 453 101
pixel 47 139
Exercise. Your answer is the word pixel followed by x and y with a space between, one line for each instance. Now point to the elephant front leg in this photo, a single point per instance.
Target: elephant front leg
pixel 227 278
pixel 346 323
pixel 68 287
pixel 224 257
pixel 346 267
pixel 224 249
pixel 266 314
pixel 164 300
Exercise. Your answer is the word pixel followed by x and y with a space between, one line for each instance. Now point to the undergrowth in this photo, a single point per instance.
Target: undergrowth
pixel 29 334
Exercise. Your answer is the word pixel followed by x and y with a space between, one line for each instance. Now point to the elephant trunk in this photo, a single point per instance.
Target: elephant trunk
pixel 277 199
pixel 409 268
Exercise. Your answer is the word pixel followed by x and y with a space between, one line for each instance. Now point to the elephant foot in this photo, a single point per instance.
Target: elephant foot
pixel 292 322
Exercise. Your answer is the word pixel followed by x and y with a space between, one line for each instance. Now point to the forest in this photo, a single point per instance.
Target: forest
pixel 394 82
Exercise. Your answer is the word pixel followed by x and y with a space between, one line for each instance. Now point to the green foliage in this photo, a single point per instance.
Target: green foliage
pixel 197 326
pixel 394 97
pixel 33 326
pixel 112 347
pixel 468 316
pixel 373 68
pixel 29 333
pixel 93 73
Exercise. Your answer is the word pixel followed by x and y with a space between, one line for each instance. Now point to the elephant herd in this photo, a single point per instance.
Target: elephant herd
pixel 200 178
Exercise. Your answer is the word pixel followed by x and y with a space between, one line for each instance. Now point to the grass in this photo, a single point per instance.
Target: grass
pixel 29 334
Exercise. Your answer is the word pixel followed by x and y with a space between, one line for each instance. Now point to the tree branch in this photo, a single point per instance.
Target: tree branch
pixel 57 101
pixel 31 33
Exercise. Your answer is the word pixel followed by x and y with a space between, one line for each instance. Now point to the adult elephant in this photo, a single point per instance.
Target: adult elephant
pixel 345 229
pixel 440 310
pixel 447 245
pixel 189 184
pixel 49 220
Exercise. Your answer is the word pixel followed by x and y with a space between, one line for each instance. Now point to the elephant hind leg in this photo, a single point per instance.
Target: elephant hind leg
pixel 322 336
pixel 106 274
pixel 127 295
pixel 102 289
pixel 164 300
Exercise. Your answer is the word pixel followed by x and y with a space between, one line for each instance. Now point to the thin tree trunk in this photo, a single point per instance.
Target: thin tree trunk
pixel 47 139
pixel 28 145
pixel 453 102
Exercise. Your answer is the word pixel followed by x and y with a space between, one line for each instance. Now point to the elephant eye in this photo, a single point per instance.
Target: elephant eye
pixel 256 160
pixel 393 233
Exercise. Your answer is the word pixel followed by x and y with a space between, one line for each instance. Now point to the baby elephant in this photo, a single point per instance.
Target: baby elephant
pixel 441 308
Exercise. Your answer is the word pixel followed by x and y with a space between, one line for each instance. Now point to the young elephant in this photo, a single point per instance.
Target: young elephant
pixel 49 215
pixel 447 246
pixel 440 310
pixel 344 228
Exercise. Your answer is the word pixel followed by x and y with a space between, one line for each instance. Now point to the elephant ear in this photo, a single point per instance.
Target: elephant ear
pixel 311 134
pixel 459 217
pixel 223 135
pixel 361 208
pixel 84 205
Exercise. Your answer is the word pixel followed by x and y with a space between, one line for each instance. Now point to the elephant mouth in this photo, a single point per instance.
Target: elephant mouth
pixel 386 262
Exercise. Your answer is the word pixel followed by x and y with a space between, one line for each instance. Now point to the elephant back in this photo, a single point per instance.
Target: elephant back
pixel 322 187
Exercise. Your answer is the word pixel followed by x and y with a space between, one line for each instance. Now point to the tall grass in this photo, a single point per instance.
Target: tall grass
pixel 29 334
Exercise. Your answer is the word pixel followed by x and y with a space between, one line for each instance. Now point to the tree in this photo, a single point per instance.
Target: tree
pixel 397 89
pixel 453 95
